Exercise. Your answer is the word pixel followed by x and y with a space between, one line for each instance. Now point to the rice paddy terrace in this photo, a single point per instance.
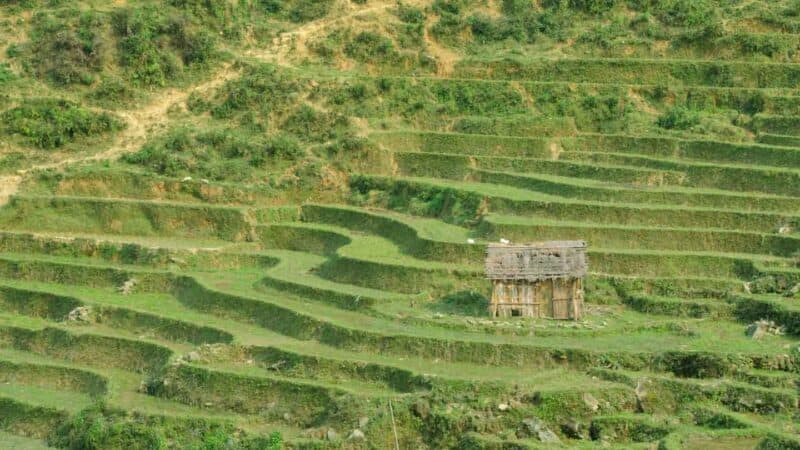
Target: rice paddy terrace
pixel 262 224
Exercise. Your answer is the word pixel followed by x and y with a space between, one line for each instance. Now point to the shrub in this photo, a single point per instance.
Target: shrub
pixel 65 52
pixel 103 428
pixel 6 74
pixel 51 123
pixel 678 118
pixel 312 125
pixel 262 88
pixel 112 90
pixel 297 11
pixel 154 47
pixel 465 303
pixel 283 146
pixel 368 46
pixel 754 104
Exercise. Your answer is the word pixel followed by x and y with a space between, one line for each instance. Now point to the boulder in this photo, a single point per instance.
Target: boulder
pixel 81 314
pixel 573 429
pixel 421 408
pixel 590 402
pixel 761 328
pixel 126 288
pixel 331 435
pixel 536 428
pixel 356 435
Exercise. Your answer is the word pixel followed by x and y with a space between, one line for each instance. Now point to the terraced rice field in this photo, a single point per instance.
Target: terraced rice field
pixel 349 311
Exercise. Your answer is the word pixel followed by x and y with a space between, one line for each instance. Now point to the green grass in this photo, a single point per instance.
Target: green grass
pixel 303 192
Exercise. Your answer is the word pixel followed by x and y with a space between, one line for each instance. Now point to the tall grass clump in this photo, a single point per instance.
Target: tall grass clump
pixel 155 47
pixel 51 123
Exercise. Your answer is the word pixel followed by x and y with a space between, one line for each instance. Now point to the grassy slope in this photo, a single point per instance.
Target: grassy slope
pixel 298 193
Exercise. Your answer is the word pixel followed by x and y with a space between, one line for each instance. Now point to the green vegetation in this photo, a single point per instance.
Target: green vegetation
pixel 51 123
pixel 260 224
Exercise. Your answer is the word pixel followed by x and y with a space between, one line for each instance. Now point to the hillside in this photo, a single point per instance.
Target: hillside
pixel 261 224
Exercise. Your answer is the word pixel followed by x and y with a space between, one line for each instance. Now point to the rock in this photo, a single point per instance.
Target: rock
pixel 287 417
pixel 573 429
pixel 127 287
pixel 548 436
pixel 756 330
pixel 185 179
pixel 786 229
pixel 761 328
pixel 641 394
pixel 421 408
pixel 503 407
pixel 590 401
pixel 331 435
pixel 533 427
pixel 277 365
pixel 356 435
pixel 363 421
pixel 177 261
pixel 192 356
pixel 81 314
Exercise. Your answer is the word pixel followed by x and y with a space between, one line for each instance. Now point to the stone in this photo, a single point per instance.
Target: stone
pixel 503 407
pixel 761 328
pixel 127 287
pixel 81 314
pixel 757 330
pixel 363 421
pixel 573 429
pixel 421 408
pixel 641 394
pixel 548 436
pixel 536 428
pixel 192 356
pixel 331 435
pixel 356 435
pixel 590 401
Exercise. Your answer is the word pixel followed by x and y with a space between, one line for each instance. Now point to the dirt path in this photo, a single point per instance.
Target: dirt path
pixel 293 45
pixel 139 123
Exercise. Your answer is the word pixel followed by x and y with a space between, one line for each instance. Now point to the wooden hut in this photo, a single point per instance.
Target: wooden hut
pixel 543 279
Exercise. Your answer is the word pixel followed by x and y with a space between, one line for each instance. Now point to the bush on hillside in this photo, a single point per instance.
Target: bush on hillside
pixel 112 91
pixel 678 118
pixel 52 123
pixel 67 51
pixel 103 428
pixel 222 154
pixel 6 74
pixel 315 126
pixel 464 303
pixel 368 46
pixel 297 11
pixel 263 88
pixel 154 47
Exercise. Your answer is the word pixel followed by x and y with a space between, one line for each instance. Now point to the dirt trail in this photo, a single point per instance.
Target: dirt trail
pixel 139 123
pixel 445 58
pixel 293 45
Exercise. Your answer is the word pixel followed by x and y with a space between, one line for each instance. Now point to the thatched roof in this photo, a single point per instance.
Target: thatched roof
pixel 536 261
